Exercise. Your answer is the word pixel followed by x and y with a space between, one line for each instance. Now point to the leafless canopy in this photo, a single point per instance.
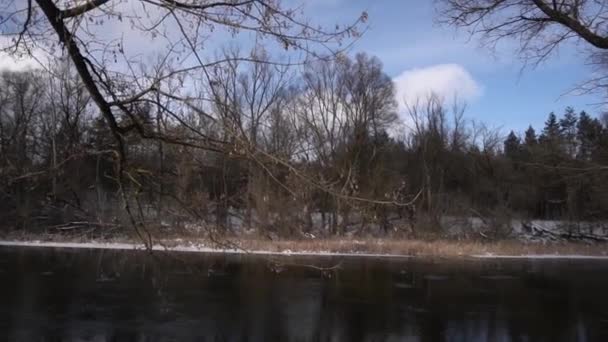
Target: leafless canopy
pixel 102 40
pixel 540 26
pixel 183 27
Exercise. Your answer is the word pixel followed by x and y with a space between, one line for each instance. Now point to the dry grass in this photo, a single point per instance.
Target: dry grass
pixel 437 248
pixel 385 246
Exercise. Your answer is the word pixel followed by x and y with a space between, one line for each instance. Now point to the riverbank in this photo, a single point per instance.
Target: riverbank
pixel 395 248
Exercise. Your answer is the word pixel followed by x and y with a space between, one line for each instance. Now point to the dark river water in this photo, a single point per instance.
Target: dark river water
pixel 96 295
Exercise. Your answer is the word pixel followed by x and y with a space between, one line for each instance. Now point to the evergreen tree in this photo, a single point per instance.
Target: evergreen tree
pixel 551 132
pixel 568 131
pixel 551 139
pixel 530 137
pixel 512 146
pixel 589 133
pixel 529 144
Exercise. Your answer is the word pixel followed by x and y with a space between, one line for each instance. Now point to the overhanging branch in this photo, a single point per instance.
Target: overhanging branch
pixel 53 14
pixel 78 10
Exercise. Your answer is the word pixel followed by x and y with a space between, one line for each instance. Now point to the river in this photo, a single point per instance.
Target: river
pixel 110 295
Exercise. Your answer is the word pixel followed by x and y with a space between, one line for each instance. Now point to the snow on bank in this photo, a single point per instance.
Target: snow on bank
pixel 540 256
pixel 194 248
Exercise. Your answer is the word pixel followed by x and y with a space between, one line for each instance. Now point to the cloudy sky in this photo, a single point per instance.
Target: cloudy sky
pixel 422 57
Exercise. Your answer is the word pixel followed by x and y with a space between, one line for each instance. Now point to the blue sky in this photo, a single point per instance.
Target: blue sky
pixel 422 56
pixel 404 35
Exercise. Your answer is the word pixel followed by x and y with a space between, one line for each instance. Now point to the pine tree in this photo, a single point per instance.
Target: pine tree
pixel 589 133
pixel 530 137
pixel 530 143
pixel 512 146
pixel 550 139
pixel 568 131
pixel 551 132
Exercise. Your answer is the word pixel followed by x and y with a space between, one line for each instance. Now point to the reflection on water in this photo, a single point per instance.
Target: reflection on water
pixel 81 295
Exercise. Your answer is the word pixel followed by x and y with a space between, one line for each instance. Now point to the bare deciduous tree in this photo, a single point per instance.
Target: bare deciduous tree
pixel 540 26
pixel 124 91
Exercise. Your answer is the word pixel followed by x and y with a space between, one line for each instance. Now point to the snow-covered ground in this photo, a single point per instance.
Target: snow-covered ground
pixel 194 248
pixel 540 256
pixel 449 226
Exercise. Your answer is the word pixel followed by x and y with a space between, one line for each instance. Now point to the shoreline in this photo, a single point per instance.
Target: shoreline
pixel 347 248
pixel 185 249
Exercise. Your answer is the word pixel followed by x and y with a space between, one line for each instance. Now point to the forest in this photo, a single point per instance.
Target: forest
pixel 323 150
pixel 291 134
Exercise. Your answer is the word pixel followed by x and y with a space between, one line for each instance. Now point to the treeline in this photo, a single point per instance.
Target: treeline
pixel 322 150
pixel 560 172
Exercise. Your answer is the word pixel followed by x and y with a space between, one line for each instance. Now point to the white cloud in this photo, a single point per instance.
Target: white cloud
pixel 19 62
pixel 449 81
pixel 16 64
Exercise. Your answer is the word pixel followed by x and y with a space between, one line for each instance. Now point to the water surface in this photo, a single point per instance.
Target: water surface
pixel 101 295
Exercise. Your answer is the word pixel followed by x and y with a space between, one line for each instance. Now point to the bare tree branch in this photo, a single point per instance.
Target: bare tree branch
pixel 78 10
